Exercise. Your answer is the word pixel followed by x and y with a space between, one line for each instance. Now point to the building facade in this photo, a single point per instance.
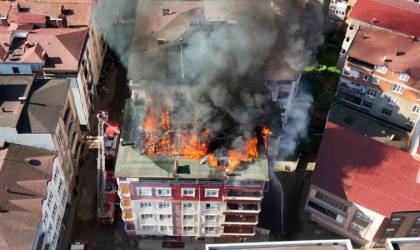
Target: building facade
pixel 367 192
pixel 383 83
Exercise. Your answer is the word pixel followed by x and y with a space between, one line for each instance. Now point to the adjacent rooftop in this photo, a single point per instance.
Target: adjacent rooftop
pixel 368 126
pixel 24 176
pixel 400 16
pixel 367 172
pixel 398 53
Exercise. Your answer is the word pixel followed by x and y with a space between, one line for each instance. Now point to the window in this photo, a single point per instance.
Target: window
pixel 375 80
pixel 57 171
pixel 64 198
pixel 165 12
pixel 45 217
pixel 145 204
pixel 164 204
pixel 188 229
pixel 212 193
pixel 187 205
pixel 416 109
pixel 163 191
pixel 15 70
pixel 144 192
pixel 417 220
pixel 363 217
pixel 343 51
pixel 403 77
pixel 188 192
pixel 58 222
pixel 371 93
pixel 366 104
pixel 330 201
pixel 386 112
pixel 322 210
pixel 396 220
pixel 188 217
pixel 366 77
pixel 148 228
pixel 389 230
pixel 348 39
pixel 209 229
pixel 49 228
pixel 165 228
pixel 54 211
pixel 211 206
pixel 413 231
pixel 392 101
pixel 146 216
pixel 210 218
pixel 410 121
pixel 397 88
pixel 357 227
pixel 165 216
pixel 49 199
pixel 351 27
pixel 381 69
pixel 60 185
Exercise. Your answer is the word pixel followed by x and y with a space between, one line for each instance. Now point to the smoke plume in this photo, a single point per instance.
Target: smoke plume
pixel 215 76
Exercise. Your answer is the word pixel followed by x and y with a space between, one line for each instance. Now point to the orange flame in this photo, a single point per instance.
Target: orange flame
pixel 265 132
pixel 161 139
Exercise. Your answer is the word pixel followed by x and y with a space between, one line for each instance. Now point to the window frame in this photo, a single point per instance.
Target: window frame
pixel 183 190
pixel 141 204
pixel 392 101
pixel 145 227
pixel 410 121
pixel 403 77
pixel 164 202
pixel 139 191
pixel 187 205
pixel 375 80
pixel 396 220
pixel 206 229
pixel 371 93
pixel 385 112
pixel 207 193
pixel 188 217
pixel 397 88
pixel 366 77
pixel 164 217
pixel 210 206
pixel 416 109
pixel 364 106
pixel 381 69
pixel 169 194
pixel 187 229
pixel 210 217
pixel 146 216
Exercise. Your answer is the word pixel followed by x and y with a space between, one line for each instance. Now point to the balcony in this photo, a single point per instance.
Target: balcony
pixel 242 208
pixel 239 231
pixel 241 220
pixel 130 229
pixel 247 195
pixel 127 215
pixel 123 191
pixel 125 204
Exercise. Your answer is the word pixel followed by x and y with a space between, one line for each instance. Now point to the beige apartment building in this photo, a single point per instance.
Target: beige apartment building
pixel 363 189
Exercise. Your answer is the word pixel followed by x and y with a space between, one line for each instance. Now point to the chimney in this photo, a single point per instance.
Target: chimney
pixel 4 22
pixel 374 20
pixel 175 166
pixel 22 99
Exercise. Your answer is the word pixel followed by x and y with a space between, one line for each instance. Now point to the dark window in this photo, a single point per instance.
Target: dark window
pixel 16 70
pixel 367 104
pixel 386 112
pixel 165 12
pixel 322 210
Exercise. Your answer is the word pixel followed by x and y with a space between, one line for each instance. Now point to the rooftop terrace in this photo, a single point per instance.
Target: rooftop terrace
pixel 131 163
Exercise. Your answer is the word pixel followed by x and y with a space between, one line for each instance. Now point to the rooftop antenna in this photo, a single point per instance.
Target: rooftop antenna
pixel 182 59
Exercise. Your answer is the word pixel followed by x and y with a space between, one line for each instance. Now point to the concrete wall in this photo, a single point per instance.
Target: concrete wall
pixel 57 194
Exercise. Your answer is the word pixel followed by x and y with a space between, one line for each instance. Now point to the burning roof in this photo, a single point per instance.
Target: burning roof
pixel 153 147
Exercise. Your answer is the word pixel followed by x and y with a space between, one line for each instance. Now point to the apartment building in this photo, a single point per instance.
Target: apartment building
pixel 73 14
pixel 174 196
pixel 380 77
pixel 364 189
pixel 32 197
pixel 397 16
pixel 41 114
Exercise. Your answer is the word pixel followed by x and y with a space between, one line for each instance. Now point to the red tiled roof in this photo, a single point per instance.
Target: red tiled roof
pixel 373 46
pixel 366 172
pixel 31 18
pixel 21 203
pixel 80 9
pixel 397 15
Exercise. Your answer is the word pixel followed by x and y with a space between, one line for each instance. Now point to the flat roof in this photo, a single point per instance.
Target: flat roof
pixel 410 243
pixel 368 126
pixel 13 87
pixel 131 163
pixel 290 245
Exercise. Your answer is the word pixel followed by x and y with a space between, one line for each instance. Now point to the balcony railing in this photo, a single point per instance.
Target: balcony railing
pixel 243 195
pixel 125 204
pixel 123 191
pixel 241 219
pixel 242 208
pixel 127 215
pixel 243 231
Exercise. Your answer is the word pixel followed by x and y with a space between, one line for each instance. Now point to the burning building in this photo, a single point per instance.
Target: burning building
pixel 194 152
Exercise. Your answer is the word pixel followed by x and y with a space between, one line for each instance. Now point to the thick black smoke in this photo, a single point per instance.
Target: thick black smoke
pixel 222 67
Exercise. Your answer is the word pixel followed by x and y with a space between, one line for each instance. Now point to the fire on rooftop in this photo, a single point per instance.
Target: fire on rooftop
pixel 161 138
